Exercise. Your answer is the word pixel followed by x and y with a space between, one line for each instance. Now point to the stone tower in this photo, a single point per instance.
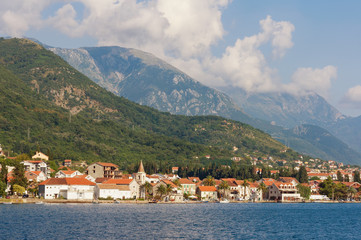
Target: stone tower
pixel 140 175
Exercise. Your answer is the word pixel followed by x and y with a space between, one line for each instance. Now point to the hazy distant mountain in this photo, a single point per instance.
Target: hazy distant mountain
pixel 144 78
pixel 286 110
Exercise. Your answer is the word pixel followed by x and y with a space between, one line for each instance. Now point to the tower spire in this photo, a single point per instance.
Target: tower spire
pixel 141 168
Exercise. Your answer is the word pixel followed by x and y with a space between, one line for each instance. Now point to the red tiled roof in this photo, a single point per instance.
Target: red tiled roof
pixel 101 179
pixel 207 188
pixel 288 179
pixel 67 181
pixel 185 181
pixel 104 164
pixel 36 172
pixel 194 179
pixel 319 174
pixel 169 182
pixel 118 181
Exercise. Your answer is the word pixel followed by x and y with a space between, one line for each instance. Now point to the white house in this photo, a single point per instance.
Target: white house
pixel 67 174
pixel 282 191
pixel 207 192
pixel 41 156
pixel 36 165
pixel 118 189
pixel 35 176
pixel 68 188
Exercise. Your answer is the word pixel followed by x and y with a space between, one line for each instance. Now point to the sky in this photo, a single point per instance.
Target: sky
pixel 298 46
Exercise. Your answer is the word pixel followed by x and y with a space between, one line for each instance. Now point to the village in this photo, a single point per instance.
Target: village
pixel 105 181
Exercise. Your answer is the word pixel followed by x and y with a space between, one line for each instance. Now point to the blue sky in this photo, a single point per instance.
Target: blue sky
pixel 294 46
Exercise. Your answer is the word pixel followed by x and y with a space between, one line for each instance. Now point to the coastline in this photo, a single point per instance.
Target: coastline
pixel 65 201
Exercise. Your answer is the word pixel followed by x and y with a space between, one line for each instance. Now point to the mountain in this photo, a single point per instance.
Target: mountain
pixel 145 79
pixel 285 109
pixel 47 104
pixel 290 111
pixel 325 145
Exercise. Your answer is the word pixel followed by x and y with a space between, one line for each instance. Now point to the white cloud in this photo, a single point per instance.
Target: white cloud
pixel 312 80
pixel 352 98
pixel 17 16
pixel 181 32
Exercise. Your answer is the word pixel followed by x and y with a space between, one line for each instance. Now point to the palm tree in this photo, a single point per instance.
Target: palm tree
pixel 209 181
pixel 351 192
pixel 223 186
pixel 245 184
pixel 168 189
pixel 147 187
pixel 263 189
pixel 161 190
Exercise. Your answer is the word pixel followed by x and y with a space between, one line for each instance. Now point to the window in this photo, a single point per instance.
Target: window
pixel 93 171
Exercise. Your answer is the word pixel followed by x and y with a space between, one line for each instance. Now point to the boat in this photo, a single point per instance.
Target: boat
pixel 224 201
pixel 7 203
pixel 116 202
pixel 39 202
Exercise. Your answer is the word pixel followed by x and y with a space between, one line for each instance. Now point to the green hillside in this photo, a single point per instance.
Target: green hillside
pixel 48 104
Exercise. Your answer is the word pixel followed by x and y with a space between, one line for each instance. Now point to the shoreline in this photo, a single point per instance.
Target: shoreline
pixel 65 201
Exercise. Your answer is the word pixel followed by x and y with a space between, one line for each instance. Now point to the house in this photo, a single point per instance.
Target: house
pixel 233 191
pixel 284 192
pixel 67 163
pixel 68 188
pixel 207 193
pixel 118 189
pixel 40 156
pixel 256 194
pixel 35 176
pixel 67 174
pixel 175 194
pixel 194 179
pixel 103 170
pixel 321 176
pixel 244 192
pixel 36 165
pixel 187 186
pixel 175 169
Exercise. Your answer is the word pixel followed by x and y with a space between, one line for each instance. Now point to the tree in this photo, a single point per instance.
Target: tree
pixel 4 172
pixel 245 184
pixel 351 192
pixel 19 175
pixel 161 190
pixel 168 189
pixel 339 176
pixel 304 191
pixel 223 186
pixel 209 181
pixel 357 176
pixel 18 189
pixel 3 187
pixel 263 189
pixel 347 178
pixel 147 187
pixel 302 176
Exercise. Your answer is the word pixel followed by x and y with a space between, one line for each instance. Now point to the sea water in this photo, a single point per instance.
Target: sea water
pixel 181 221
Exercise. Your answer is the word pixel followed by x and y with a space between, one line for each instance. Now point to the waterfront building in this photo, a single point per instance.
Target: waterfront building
pixel 67 174
pixel 37 165
pixel 67 188
pixel 207 193
pixel 118 189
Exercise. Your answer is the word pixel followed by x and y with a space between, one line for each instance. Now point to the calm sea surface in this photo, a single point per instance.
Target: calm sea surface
pixel 187 221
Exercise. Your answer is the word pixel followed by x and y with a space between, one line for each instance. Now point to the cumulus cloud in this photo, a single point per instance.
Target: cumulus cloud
pixel 245 66
pixel 352 98
pixel 17 16
pixel 181 32
pixel 312 80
